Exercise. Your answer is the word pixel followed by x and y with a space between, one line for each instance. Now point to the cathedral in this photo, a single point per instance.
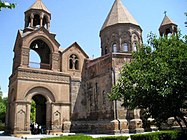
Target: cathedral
pixel 70 89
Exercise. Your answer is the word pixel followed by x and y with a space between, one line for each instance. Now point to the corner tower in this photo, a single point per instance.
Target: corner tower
pixel 167 26
pixel 120 32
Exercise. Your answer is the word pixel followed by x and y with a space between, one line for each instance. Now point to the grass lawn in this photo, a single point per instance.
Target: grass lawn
pixel 76 137
pixel 83 137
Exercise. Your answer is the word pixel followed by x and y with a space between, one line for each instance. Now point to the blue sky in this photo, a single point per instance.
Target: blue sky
pixel 81 21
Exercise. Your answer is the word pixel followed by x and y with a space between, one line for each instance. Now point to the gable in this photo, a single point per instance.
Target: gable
pixel 76 48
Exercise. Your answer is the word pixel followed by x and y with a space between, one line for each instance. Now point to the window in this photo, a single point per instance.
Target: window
pixel 135 46
pixel 106 51
pixel 125 47
pixel 73 62
pixel 114 47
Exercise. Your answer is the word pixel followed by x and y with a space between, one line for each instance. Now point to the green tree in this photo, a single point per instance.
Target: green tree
pixel 3 104
pixel 33 111
pixel 156 79
pixel 6 5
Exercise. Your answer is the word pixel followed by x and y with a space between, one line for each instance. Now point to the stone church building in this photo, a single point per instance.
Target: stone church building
pixel 70 89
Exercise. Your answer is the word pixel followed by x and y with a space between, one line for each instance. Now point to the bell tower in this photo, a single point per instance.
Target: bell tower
pixel 167 26
pixel 37 16
pixel 39 81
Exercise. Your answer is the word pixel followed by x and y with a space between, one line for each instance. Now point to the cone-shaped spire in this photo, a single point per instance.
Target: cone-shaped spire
pixel 118 14
pixel 38 5
pixel 166 21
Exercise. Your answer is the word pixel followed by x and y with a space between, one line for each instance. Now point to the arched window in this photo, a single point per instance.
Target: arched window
pixel 40 48
pixel 114 47
pixel 106 50
pixel 135 46
pixel 45 20
pixel 124 47
pixel 73 62
pixel 36 21
pixel 34 59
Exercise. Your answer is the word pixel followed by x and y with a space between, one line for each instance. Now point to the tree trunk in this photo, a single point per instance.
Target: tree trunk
pixel 179 122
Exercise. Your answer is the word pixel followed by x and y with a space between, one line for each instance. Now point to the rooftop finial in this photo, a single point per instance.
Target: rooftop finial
pixel 165 12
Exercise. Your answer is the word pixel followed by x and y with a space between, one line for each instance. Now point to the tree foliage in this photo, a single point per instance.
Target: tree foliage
pixel 156 79
pixel 33 111
pixel 3 104
pixel 7 5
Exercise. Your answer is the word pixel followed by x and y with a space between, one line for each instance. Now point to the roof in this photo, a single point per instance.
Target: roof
pixel 118 14
pixel 77 45
pixel 38 5
pixel 166 21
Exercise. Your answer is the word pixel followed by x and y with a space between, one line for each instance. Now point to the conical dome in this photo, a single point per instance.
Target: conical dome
pixel 38 5
pixel 118 14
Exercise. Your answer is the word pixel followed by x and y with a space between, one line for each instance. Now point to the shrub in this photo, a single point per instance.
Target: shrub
pixel 2 126
pixel 114 138
pixel 162 135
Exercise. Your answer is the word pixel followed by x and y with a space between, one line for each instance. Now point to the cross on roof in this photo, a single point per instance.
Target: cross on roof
pixel 165 12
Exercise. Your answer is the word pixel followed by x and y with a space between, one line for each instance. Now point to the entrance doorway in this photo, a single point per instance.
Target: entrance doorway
pixel 38 115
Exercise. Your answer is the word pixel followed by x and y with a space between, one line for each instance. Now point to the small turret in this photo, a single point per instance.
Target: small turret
pixel 37 16
pixel 167 26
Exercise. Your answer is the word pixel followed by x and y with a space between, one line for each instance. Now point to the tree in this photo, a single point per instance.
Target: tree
pixel 3 104
pixel 33 111
pixel 156 79
pixel 6 5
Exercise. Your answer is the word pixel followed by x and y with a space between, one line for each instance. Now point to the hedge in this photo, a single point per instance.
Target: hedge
pixel 162 135
pixel 113 138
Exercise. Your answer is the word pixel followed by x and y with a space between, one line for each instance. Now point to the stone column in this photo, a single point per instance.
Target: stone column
pixel 41 19
pixel 48 116
pixel 25 57
pixel 135 124
pixel 52 118
pixel 15 112
pixel 55 62
pixel 28 109
pixel 48 25
pixel 32 19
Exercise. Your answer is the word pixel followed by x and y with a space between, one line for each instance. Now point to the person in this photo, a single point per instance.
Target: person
pixel 32 128
pixel 35 128
pixel 40 129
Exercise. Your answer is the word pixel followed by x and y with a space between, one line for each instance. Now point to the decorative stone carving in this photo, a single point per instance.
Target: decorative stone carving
pixel 44 76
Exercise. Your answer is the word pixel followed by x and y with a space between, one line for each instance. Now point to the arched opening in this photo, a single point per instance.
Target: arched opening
pixel 45 19
pixel 106 50
pixel 114 48
pixel 38 114
pixel 34 60
pixel 42 50
pixel 73 62
pixel 36 20
pixel 135 46
pixel 124 47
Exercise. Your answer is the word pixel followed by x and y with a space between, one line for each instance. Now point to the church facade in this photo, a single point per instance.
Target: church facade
pixel 70 89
